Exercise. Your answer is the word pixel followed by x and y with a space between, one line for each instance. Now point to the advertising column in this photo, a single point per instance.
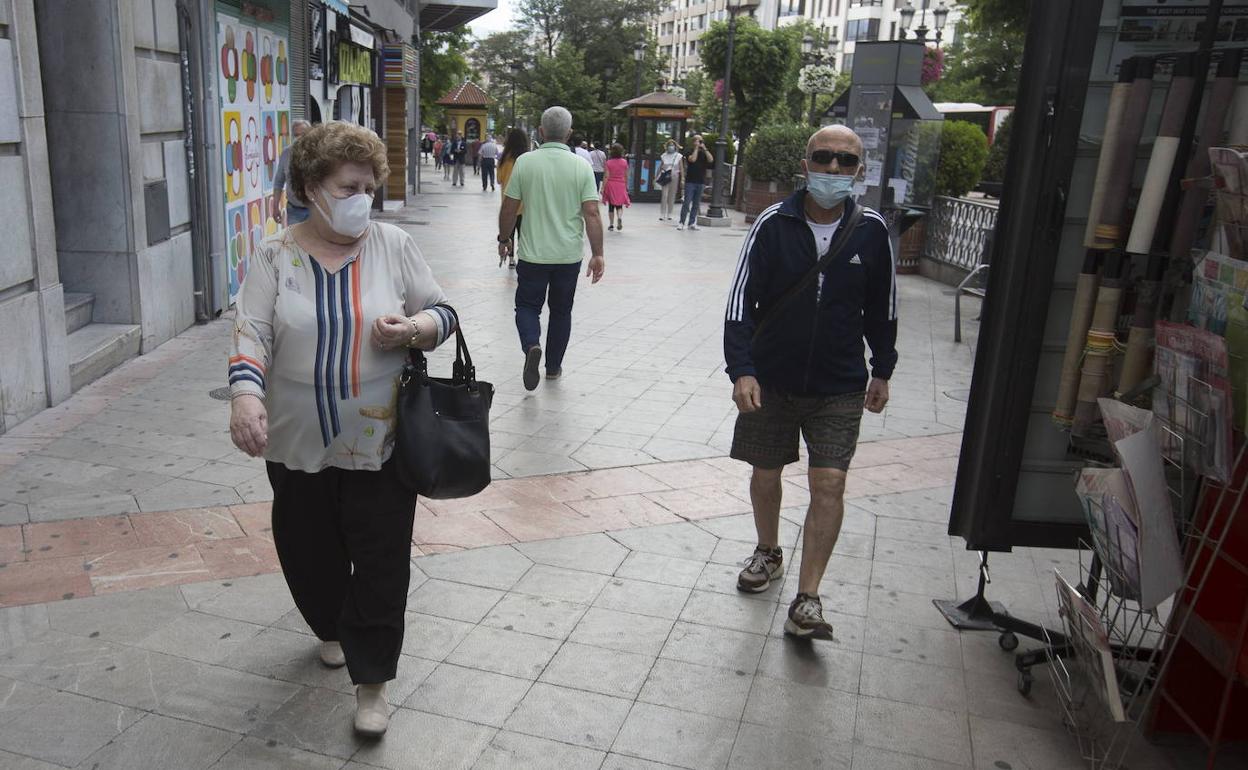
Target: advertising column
pixel 253 66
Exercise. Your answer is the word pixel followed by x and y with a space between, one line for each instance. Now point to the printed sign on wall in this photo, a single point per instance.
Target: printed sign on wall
pixel 253 84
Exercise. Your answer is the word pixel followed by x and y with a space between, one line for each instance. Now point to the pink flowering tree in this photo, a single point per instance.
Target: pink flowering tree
pixel 933 65
pixel 719 90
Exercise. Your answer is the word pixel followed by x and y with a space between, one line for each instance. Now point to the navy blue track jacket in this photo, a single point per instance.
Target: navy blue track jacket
pixel 815 346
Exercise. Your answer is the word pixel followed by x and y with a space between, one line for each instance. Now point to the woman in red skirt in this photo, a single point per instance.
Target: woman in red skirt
pixel 615 187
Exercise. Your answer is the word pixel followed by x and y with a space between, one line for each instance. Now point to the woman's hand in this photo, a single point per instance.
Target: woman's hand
pixel 393 331
pixel 249 424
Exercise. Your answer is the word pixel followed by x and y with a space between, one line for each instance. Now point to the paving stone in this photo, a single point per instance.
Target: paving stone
pixel 589 553
pixel 921 730
pixel 760 746
pixel 609 672
pixel 261 600
pixel 43 581
pixel 185 493
pixel 643 598
pixel 534 615
pixel 417 740
pixel 498 567
pixel 504 652
pixel 622 762
pixel 869 758
pixel 66 728
pixel 59 660
pixel 564 584
pixel 711 646
pixel 16 697
pixel 811 663
pixel 667 570
pixel 10 761
pixel 719 692
pixel 257 754
pixel 205 638
pixel 122 617
pixel 802 708
pixel 454 600
pixel 738 613
pixel 232 700
pixel 156 741
pixel 687 740
pixel 313 720
pixel 469 694
pixel 514 751
pixel 914 643
pixel 432 637
pixel 685 541
pixel 186 526
pixel 569 716
pixel 622 631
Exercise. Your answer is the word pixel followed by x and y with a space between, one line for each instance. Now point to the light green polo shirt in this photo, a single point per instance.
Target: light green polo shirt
pixel 552 183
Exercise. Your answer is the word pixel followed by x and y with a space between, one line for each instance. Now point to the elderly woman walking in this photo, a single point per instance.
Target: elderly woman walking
pixel 324 319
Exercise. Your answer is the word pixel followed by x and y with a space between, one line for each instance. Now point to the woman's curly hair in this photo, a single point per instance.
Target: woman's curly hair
pixel 322 149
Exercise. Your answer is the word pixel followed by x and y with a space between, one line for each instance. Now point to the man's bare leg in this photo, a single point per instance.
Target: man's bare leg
pixel 823 526
pixel 765 495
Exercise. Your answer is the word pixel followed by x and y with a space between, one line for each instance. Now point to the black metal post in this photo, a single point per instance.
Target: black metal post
pixel 716 210
pixel 513 103
pixel 812 108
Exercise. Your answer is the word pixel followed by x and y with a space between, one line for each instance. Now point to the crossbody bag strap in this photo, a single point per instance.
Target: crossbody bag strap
pixel 842 237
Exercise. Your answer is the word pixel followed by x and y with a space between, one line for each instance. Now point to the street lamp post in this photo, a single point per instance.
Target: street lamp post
pixel 716 209
pixel 810 55
pixel 939 14
pixel 516 68
pixel 639 53
pixel 607 73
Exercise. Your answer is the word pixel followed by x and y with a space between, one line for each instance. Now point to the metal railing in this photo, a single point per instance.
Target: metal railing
pixel 958 230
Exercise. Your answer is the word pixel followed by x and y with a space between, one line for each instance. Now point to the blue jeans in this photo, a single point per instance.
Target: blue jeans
pixel 554 285
pixel 689 208
pixel 295 214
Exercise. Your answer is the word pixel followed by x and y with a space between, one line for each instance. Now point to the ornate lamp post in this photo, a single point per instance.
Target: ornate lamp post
pixel 607 73
pixel 939 14
pixel 811 56
pixel 639 53
pixel 716 210
pixel 516 68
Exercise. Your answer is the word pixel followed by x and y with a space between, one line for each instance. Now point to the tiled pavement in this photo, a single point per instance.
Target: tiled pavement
pixel 575 620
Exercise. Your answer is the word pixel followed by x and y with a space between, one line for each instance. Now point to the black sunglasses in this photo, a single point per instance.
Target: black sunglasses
pixel 846 160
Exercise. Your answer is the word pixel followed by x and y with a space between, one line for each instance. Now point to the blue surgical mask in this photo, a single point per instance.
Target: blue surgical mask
pixel 829 190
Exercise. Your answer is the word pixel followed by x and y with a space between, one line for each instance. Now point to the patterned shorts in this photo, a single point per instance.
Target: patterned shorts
pixel 768 438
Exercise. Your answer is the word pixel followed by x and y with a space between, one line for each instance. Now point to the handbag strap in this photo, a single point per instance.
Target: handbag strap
pixel 464 371
pixel 842 237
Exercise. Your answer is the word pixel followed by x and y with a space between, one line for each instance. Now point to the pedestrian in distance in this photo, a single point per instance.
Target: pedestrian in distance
pixel 696 163
pixel 816 275
pixel 296 211
pixel 581 148
pixel 560 209
pixel 474 156
pixel 426 147
pixel 447 163
pixel 516 145
pixel 669 170
pixel 598 162
pixel 459 157
pixel 489 157
pixel 324 320
pixel 615 188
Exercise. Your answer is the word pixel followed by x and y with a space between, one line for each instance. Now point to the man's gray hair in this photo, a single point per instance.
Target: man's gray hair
pixel 556 124
pixel 301 122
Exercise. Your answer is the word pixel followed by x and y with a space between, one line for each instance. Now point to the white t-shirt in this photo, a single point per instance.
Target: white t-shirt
pixel 598 160
pixel 583 154
pixel 823 234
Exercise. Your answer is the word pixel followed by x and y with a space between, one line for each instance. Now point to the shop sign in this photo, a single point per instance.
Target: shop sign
pixel 660 112
pixel 355 65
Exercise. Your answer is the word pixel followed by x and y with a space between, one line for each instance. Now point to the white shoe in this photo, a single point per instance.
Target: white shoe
pixel 694 227
pixel 680 226
pixel 332 655
pixel 372 713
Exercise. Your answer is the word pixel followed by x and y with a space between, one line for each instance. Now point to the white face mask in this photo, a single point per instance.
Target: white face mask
pixel 346 216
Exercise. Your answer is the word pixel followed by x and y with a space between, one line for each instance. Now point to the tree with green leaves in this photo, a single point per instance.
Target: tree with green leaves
pixel 443 65
pixel 984 64
pixel 561 79
pixel 758 55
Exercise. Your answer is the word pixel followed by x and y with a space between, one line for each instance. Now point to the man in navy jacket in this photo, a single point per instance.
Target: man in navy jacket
pixel 803 371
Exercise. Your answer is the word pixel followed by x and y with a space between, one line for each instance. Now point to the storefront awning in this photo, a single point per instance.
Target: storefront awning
pixel 442 16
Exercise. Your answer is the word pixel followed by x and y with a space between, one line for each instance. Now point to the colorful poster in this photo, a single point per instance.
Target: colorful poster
pixel 253 79
pixel 236 246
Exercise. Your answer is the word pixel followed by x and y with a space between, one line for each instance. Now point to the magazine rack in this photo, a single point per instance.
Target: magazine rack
pixel 1109 665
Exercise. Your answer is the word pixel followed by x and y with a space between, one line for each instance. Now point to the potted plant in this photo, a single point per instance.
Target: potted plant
pixel 772 161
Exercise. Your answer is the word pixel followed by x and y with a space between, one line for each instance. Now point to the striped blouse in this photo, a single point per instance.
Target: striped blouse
pixel 302 343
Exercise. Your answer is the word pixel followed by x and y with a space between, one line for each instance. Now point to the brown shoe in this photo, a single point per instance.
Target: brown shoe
pixel 763 565
pixel 805 619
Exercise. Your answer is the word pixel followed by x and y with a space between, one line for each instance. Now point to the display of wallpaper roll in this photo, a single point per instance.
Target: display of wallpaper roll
pixel 1086 284
pixel 1108 237
pixel 1148 214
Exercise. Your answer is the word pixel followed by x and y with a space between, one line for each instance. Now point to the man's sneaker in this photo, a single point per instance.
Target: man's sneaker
pixel 805 619
pixel 532 371
pixel 680 226
pixel 764 565
pixel 694 227
pixel 554 375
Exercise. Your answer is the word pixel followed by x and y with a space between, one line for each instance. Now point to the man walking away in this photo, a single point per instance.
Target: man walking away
pixel 560 208
pixel 296 210
pixel 582 151
pixel 459 155
pixel 598 162
pixel 696 163
pixel 474 155
pixel 804 297
pixel 489 156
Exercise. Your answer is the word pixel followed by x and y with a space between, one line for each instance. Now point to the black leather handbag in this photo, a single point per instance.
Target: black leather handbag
pixel 442 439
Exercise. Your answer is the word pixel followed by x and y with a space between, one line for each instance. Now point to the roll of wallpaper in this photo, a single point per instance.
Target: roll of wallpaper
pixel 1108 234
pixel 1113 125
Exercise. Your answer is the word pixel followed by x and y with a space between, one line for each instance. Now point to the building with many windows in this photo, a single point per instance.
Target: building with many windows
pixel 680 27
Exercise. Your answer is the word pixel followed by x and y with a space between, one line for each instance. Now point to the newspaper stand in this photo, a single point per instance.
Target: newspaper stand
pixel 1106 670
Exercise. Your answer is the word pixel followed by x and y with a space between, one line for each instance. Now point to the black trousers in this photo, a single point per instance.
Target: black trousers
pixel 344 539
